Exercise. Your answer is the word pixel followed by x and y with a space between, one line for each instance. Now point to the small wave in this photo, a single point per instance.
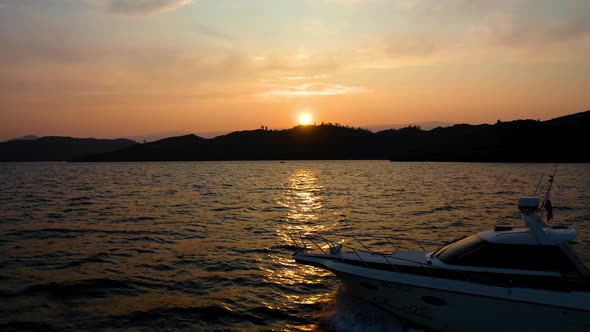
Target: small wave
pixel 448 208
pixel 211 314
pixel 169 192
pixel 33 199
pixel 27 326
pixel 272 209
pixel 298 288
pixel 79 210
pixel 144 251
pixel 79 289
pixel 154 239
pixel 229 208
pixel 159 267
pixel 235 265
pixel 137 219
pixel 84 188
pixel 286 247
pixel 350 314
pixel 80 198
pixel 264 313
pixel 563 208
pixel 151 236
pixel 421 213
pixel 100 258
pixel 82 203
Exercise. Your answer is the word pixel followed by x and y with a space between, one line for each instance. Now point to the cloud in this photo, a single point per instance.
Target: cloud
pixel 306 78
pixel 433 32
pixel 352 2
pixel 297 62
pixel 512 31
pixel 310 90
pixel 143 7
pixel 213 34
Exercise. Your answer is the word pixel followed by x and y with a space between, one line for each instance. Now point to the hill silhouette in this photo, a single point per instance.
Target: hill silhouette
pixel 24 138
pixel 301 142
pixel 556 140
pixel 55 148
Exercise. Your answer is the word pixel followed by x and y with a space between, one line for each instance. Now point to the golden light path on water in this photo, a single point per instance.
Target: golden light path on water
pixel 302 197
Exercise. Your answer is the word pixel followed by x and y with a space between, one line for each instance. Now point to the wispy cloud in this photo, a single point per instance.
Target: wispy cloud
pixel 434 32
pixel 213 34
pixel 352 2
pixel 306 78
pixel 310 90
pixel 513 31
pixel 143 7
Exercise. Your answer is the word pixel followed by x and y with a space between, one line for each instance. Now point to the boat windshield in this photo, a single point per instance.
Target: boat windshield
pixel 474 251
pixel 459 248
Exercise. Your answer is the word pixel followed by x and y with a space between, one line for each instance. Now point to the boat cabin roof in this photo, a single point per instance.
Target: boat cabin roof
pixel 522 235
pixel 510 249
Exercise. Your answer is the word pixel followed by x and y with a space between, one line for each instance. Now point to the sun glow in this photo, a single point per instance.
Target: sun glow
pixel 304 119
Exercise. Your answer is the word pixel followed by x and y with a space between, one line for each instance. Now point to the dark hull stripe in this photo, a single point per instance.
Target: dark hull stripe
pixel 553 283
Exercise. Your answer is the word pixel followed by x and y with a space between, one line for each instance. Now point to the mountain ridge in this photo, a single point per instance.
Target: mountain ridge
pixel 58 148
pixel 554 140
pixel 512 141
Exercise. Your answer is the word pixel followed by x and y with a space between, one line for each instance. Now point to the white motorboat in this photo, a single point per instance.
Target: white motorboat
pixel 506 279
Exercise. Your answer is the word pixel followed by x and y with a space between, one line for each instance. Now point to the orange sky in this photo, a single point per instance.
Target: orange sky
pixel 115 68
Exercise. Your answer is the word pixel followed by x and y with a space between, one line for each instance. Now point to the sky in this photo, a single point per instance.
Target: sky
pixel 117 68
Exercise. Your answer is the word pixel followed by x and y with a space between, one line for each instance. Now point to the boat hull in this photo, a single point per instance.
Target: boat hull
pixel 443 310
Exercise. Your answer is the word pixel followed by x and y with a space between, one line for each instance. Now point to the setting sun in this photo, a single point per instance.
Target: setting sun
pixel 304 119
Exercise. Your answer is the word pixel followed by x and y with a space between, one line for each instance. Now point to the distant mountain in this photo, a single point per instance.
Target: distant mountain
pixel 24 138
pixel 157 136
pixel 556 140
pixel 428 125
pixel 173 148
pixel 173 133
pixel 54 148
pixel 212 134
pixel 301 142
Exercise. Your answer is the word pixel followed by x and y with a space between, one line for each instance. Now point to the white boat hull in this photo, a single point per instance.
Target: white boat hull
pixel 443 310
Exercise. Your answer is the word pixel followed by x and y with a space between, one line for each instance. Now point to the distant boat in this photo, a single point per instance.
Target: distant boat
pixel 505 279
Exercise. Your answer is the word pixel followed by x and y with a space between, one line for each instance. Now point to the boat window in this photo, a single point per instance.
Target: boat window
pixel 515 256
pixel 452 252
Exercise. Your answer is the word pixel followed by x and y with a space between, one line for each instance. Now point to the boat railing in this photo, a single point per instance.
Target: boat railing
pixel 309 243
pixel 321 242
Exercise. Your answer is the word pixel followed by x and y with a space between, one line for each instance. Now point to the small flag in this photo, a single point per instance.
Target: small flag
pixel 549 209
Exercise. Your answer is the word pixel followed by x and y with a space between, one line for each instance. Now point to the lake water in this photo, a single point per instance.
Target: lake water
pixel 205 246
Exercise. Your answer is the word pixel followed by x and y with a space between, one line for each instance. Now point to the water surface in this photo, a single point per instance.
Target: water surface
pixel 205 245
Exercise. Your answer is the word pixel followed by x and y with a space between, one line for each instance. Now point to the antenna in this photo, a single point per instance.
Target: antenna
pixel 551 181
pixel 538 184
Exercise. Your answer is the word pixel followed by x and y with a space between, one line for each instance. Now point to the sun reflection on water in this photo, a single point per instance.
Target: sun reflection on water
pixel 300 285
pixel 302 196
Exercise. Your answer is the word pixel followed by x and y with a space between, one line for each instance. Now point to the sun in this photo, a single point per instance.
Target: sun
pixel 304 119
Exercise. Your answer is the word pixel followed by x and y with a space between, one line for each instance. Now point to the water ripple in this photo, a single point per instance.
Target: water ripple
pixel 206 246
